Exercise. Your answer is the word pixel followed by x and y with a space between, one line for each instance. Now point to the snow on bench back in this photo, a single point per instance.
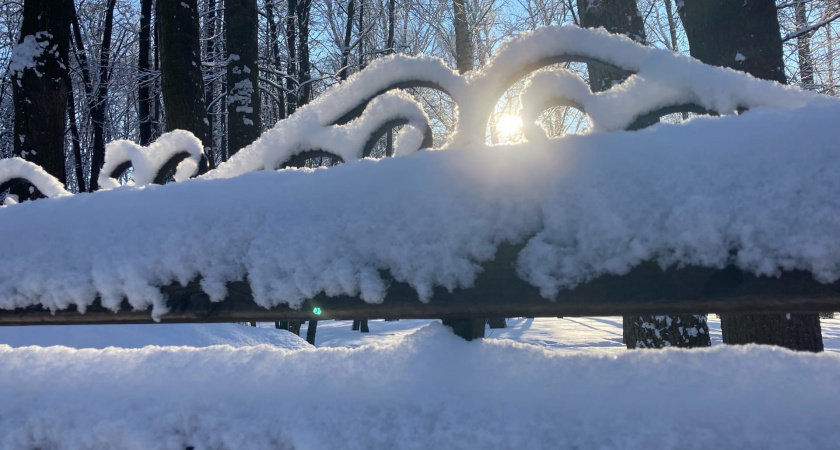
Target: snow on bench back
pixel 761 183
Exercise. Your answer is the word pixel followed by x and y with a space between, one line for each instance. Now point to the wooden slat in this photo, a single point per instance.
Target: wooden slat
pixel 498 292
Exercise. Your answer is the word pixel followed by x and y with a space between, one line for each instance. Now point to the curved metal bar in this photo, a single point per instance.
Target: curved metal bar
pixel 120 170
pixel 12 182
pixel 531 129
pixel 485 110
pixel 514 77
pixel 299 160
pixel 428 139
pixel 170 166
pixel 647 119
pixel 559 59
pixel 357 111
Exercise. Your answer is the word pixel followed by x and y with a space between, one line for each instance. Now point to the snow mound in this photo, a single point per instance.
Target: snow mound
pixel 431 390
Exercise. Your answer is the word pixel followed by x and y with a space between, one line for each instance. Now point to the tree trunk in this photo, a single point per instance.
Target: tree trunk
pixel 672 29
pixel 740 35
pixel 144 100
pixel 622 17
pixel 793 331
pixel 97 112
pixel 617 17
pixel 362 35
pixel 294 327
pixel 468 329
pixel 243 97
pixel 292 64
pixel 210 86
pixel 672 25
pixel 803 47
pixel 275 57
pixel 348 34
pixel 496 322
pixel 304 75
pixel 183 85
pixel 389 45
pixel 39 87
pixel 87 84
pixel 463 38
pixel 156 103
pixel 685 331
pixel 745 36
pixel 75 139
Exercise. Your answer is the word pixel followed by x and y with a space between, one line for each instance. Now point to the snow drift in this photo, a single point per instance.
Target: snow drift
pixel 432 390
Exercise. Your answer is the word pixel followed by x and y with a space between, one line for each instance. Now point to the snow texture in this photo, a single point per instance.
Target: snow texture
pixel 147 161
pixel 762 183
pixel 661 78
pixel 430 390
pixel 49 186
pixel 301 132
pixel 26 54
pixel 756 190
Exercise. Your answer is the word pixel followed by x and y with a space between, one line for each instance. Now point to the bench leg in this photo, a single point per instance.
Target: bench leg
pixel 468 329
pixel 311 330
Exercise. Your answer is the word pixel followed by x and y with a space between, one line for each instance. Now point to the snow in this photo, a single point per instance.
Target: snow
pixel 300 133
pixel 423 389
pixel 661 79
pixel 13 168
pixel 756 190
pixel 25 55
pixel 147 161
pixel 762 183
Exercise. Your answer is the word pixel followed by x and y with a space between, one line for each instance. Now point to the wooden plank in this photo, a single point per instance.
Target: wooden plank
pixel 497 292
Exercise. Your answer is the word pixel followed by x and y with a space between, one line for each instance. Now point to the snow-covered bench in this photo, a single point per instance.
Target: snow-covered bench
pixel 738 212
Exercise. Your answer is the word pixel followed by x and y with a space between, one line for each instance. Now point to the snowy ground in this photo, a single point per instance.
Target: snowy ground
pixel 590 335
pixel 540 383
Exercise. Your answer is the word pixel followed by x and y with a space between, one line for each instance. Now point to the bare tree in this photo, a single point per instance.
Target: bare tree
pixel 39 85
pixel 144 98
pixel 183 86
pixel 243 96
pixel 100 98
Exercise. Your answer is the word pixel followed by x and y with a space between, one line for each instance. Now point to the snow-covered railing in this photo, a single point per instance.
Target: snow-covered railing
pixel 347 121
pixel 595 223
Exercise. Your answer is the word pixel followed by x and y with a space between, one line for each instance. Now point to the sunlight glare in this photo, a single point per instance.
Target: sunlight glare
pixel 509 127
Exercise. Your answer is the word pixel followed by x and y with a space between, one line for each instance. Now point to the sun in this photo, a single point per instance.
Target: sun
pixel 509 127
